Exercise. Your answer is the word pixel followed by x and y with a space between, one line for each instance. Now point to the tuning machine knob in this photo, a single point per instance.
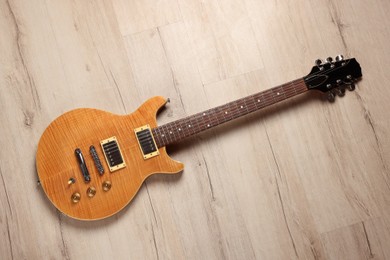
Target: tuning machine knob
pixel 348 80
pixel 330 96
pixel 329 60
pixel 318 62
pixel 339 57
pixel 351 87
pixel 340 92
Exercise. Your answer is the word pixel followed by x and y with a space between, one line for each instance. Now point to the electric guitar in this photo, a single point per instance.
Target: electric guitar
pixel 91 163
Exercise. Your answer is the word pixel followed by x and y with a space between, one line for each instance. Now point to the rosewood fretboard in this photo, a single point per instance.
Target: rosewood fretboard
pixel 191 125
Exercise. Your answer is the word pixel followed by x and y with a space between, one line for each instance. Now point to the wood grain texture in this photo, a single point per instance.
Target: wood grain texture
pixel 304 179
pixel 81 128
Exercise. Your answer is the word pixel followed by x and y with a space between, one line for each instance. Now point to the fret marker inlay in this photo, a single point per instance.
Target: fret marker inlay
pixel 207 119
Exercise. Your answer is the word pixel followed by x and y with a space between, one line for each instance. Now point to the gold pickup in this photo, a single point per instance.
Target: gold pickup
pixel 146 142
pixel 113 154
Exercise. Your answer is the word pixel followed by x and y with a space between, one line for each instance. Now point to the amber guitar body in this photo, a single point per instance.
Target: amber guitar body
pixel 59 168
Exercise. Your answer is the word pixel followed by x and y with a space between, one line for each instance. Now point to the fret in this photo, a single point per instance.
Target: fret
pixel 237 109
pixel 177 130
pixel 246 105
pixel 189 127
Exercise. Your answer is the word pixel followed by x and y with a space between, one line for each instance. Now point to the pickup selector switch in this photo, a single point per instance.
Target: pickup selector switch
pixel 71 181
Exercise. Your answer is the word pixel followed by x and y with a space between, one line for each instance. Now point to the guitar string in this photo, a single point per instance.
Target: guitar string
pixel 184 132
pixel 177 130
pixel 177 127
pixel 215 111
pixel 233 112
pixel 252 105
pixel 346 62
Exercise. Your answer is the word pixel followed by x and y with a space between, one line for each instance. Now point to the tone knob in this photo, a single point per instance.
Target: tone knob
pixel 106 185
pixel 75 197
pixel 91 191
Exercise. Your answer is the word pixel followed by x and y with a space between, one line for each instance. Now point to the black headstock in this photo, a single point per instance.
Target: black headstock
pixel 334 77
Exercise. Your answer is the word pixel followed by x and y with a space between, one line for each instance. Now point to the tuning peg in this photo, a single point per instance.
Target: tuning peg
pixel 330 96
pixel 329 60
pixel 318 62
pixel 339 57
pixel 351 87
pixel 340 92
pixel 348 80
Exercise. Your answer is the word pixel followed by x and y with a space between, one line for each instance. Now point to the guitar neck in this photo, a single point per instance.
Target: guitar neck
pixel 194 124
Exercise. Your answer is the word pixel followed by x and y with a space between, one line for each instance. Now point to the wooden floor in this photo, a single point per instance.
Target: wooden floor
pixel 305 179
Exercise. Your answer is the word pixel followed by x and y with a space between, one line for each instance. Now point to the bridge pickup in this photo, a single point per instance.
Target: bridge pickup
pixel 146 142
pixel 113 154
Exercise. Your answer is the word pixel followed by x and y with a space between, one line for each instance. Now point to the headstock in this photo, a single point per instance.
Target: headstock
pixel 333 77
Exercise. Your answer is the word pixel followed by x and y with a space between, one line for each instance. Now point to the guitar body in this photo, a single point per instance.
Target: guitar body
pixel 59 167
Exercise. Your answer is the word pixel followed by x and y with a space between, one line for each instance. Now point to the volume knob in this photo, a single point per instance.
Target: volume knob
pixel 91 191
pixel 106 185
pixel 75 197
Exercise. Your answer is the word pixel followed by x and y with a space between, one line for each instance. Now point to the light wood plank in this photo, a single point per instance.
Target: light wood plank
pixel 223 38
pixel 359 241
pixel 301 180
pixel 138 16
